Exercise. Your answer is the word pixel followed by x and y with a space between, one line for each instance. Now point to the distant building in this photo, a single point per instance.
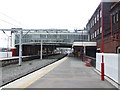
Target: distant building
pixel 111 26
pixel 5 42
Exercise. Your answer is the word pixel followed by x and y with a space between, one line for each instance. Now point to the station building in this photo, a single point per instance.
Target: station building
pixel 108 15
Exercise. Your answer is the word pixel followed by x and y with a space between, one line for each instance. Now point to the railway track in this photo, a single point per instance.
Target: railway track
pixel 26 68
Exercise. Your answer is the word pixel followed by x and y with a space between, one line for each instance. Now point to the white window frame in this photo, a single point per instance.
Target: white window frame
pixel 97 16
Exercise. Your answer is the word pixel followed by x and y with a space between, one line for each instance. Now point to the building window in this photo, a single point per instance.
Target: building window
pixel 100 13
pixel 91 25
pixel 95 34
pixel 98 17
pixel 88 27
pixel 100 29
pixel 95 20
pixel 91 36
pixel 97 31
pixel 115 18
pixel 118 50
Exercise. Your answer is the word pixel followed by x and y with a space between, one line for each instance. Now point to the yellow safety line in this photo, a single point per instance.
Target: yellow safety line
pixel 28 83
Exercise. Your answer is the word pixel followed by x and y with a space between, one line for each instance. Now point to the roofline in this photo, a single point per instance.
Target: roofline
pixel 84 44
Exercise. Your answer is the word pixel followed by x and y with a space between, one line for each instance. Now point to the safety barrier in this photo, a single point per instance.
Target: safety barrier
pixel 111 64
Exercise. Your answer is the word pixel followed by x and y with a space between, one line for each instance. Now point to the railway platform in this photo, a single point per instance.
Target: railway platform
pixel 69 72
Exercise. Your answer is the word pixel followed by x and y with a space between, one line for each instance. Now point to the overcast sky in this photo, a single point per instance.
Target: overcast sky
pixel 42 14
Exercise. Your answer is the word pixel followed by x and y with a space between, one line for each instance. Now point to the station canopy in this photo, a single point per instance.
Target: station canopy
pixel 84 44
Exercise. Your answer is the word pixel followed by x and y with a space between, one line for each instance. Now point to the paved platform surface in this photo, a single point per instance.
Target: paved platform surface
pixel 72 73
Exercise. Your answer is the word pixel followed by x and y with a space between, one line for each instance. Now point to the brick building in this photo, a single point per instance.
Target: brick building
pixel 115 26
pixel 106 17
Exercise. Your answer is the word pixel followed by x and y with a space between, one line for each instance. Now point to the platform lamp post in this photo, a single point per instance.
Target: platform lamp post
pixel 102 48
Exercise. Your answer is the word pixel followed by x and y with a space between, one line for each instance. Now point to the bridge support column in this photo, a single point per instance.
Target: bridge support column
pixel 41 50
pixel 84 50
pixel 20 48
pixel 84 53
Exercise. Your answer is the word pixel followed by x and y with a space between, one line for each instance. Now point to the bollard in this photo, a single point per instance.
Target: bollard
pixel 102 69
pixel 82 58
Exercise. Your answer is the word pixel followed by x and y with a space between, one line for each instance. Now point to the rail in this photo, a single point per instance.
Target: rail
pixel 31 66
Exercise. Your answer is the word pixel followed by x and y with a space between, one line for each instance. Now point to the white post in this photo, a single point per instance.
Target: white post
pixel 41 50
pixel 84 50
pixel 20 48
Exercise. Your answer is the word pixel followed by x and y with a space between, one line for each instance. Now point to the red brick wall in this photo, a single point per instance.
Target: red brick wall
pixel 110 46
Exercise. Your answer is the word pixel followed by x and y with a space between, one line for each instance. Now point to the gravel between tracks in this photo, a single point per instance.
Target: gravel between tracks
pixel 12 72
